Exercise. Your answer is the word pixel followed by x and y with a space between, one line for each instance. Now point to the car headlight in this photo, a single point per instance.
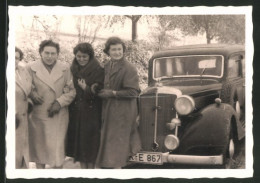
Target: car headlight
pixel 171 142
pixel 184 105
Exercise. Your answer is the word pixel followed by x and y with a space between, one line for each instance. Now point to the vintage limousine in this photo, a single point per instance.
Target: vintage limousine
pixel 193 110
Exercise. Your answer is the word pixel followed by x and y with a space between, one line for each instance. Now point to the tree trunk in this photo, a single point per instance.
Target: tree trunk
pixel 208 40
pixel 134 30
pixel 134 20
pixel 208 37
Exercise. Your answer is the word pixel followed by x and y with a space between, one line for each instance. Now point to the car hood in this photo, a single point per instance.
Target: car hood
pixel 183 90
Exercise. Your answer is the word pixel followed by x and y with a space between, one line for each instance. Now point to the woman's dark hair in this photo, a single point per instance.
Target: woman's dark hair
pixel 49 43
pixel 113 41
pixel 84 48
pixel 20 52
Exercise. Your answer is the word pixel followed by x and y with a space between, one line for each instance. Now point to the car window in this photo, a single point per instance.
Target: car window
pixel 233 66
pixel 189 66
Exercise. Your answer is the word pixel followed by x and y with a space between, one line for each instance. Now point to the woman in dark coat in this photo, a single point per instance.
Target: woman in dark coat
pixel 85 111
pixel 119 135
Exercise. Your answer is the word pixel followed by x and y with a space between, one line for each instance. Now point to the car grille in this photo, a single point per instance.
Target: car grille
pixel 166 112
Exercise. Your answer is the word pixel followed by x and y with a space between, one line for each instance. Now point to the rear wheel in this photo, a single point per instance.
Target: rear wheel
pixel 240 111
pixel 231 150
pixel 238 108
pixel 229 159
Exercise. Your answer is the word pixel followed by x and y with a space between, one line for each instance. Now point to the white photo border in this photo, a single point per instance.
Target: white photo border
pixel 11 172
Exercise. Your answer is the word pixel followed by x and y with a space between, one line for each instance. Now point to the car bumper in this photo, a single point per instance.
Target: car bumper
pixel 158 158
pixel 190 159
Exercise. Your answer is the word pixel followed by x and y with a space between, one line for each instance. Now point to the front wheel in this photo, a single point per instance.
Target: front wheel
pixel 231 150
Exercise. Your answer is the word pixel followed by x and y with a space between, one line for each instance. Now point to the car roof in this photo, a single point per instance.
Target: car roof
pixel 218 49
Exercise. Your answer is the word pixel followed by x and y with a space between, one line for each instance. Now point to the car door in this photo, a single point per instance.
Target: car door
pixel 236 76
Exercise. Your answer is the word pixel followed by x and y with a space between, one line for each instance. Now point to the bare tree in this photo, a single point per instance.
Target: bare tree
pixel 134 19
pixel 121 19
pixel 50 25
pixel 88 27
pixel 224 28
pixel 163 34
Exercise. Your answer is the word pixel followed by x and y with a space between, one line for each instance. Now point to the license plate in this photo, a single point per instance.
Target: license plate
pixel 147 158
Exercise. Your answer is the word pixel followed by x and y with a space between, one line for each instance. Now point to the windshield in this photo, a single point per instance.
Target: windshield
pixel 188 66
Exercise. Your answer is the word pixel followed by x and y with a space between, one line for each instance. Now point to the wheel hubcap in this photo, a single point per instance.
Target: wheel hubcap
pixel 231 148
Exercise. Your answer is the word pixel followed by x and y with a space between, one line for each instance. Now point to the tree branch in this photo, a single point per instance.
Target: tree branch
pixel 128 16
pixel 136 17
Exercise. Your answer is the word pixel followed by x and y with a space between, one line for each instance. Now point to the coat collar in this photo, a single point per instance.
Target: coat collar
pixel 116 67
pixel 49 78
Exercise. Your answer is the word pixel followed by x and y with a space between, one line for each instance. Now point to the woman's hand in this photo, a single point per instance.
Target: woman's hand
pixel 37 100
pixel 105 93
pixel 54 108
pixel 95 88
pixel 82 84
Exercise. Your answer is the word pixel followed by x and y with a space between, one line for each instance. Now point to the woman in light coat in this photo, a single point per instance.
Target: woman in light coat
pixel 52 92
pixel 22 89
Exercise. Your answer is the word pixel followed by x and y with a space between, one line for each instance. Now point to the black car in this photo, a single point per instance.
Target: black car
pixel 193 111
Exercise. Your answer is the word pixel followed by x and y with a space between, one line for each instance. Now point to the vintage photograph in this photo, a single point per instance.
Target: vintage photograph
pixel 108 89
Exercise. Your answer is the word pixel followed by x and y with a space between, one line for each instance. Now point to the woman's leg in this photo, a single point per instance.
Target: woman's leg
pixel 24 164
pixel 111 168
pixel 40 166
pixel 58 167
pixel 83 165
pixel 90 165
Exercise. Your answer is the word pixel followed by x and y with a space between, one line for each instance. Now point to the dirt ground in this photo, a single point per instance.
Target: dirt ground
pixel 237 163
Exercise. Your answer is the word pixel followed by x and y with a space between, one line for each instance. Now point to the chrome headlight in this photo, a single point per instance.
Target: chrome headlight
pixel 184 105
pixel 171 142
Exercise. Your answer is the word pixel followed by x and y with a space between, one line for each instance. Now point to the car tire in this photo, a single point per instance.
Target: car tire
pixel 237 108
pixel 228 95
pixel 240 110
pixel 231 150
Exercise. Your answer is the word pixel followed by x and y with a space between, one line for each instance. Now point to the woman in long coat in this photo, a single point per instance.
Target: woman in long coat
pixel 119 136
pixel 53 91
pixel 22 90
pixel 85 111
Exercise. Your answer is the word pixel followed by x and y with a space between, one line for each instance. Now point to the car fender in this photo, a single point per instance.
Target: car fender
pixel 210 128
